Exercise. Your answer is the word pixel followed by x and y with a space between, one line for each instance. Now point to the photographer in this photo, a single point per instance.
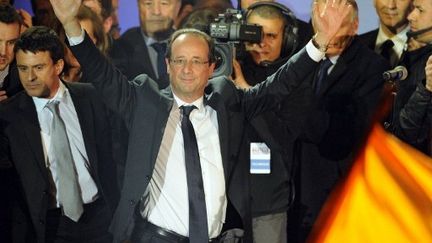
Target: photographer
pixel 272 192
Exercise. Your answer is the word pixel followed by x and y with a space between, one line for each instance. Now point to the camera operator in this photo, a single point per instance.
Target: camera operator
pixel 272 192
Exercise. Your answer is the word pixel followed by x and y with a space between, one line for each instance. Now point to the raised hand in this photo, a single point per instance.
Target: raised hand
pixel 239 81
pixel 328 17
pixel 66 11
pixel 26 19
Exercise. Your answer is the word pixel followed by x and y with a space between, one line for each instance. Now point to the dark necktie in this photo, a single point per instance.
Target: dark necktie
pixel 387 50
pixel 322 74
pixel 68 188
pixel 198 230
pixel 160 48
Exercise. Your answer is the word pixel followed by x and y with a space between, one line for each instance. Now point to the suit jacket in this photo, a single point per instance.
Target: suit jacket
pixel 145 110
pixel 12 83
pixel 272 193
pixel 130 54
pixel 19 126
pixel 337 123
pixel 369 38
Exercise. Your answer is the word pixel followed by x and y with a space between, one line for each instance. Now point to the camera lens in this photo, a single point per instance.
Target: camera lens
pixel 224 56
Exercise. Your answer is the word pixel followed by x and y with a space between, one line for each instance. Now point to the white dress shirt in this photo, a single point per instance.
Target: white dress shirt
pixel 167 203
pixel 399 41
pixel 88 188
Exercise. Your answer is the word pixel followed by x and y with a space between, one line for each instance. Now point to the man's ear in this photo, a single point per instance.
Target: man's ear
pixel 168 66
pixel 107 24
pixel 211 69
pixel 59 65
pixel 355 26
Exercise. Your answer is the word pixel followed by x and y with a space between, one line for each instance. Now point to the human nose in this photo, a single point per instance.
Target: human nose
pixel 187 67
pixel 31 75
pixel 156 8
pixel 391 4
pixel 2 48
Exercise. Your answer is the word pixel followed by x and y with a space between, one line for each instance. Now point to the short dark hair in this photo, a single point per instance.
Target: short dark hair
pixel 40 39
pixel 197 33
pixel 9 15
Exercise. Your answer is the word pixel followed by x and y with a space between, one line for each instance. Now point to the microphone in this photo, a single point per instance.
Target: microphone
pixel 398 73
pixel 411 34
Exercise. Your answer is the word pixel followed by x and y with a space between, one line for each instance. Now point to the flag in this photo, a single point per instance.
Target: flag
pixel 387 197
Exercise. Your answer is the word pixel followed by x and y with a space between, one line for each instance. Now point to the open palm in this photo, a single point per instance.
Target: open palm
pixel 329 16
pixel 66 10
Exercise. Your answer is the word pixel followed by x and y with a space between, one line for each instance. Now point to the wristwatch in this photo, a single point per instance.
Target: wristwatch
pixel 321 48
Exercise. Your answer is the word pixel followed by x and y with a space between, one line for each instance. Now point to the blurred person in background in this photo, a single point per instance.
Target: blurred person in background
pixel 390 38
pixel 142 49
pixel 347 87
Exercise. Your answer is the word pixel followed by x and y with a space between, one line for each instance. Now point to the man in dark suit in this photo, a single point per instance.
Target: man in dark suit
pixel 347 87
pixel 390 38
pixel 57 139
pixel 157 200
pixel 142 49
pixel 10 27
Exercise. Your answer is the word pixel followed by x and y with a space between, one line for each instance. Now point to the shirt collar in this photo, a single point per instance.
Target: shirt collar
pixel 333 59
pixel 199 103
pixel 399 39
pixel 40 103
pixel 149 40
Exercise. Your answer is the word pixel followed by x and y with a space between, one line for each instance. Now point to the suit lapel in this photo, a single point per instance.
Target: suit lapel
pixel 142 56
pixel 338 70
pixel 166 104
pixel 31 128
pixel 214 101
pixel 341 66
pixel 84 110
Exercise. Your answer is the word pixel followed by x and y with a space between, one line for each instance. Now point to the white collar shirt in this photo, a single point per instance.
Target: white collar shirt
pixel 89 191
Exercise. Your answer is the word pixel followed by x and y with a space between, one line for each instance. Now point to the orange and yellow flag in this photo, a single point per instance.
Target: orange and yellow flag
pixel 387 197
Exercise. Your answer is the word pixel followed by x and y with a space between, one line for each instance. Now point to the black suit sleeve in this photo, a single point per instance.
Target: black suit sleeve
pixel 413 123
pixel 277 87
pixel 116 90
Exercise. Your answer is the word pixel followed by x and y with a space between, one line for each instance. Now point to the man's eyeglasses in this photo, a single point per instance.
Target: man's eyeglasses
pixel 181 63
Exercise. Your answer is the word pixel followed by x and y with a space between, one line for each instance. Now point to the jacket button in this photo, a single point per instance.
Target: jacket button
pixel 41 221
pixel 45 192
pixel 132 202
pixel 148 177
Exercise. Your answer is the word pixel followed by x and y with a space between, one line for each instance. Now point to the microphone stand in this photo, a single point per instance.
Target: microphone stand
pixel 393 89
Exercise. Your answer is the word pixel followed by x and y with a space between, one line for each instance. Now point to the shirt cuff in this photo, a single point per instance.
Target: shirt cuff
pixel 76 40
pixel 313 52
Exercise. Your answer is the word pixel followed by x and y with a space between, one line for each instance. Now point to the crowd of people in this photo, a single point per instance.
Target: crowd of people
pixel 109 137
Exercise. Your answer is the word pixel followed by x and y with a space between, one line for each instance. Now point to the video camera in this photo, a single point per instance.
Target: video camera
pixel 230 30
